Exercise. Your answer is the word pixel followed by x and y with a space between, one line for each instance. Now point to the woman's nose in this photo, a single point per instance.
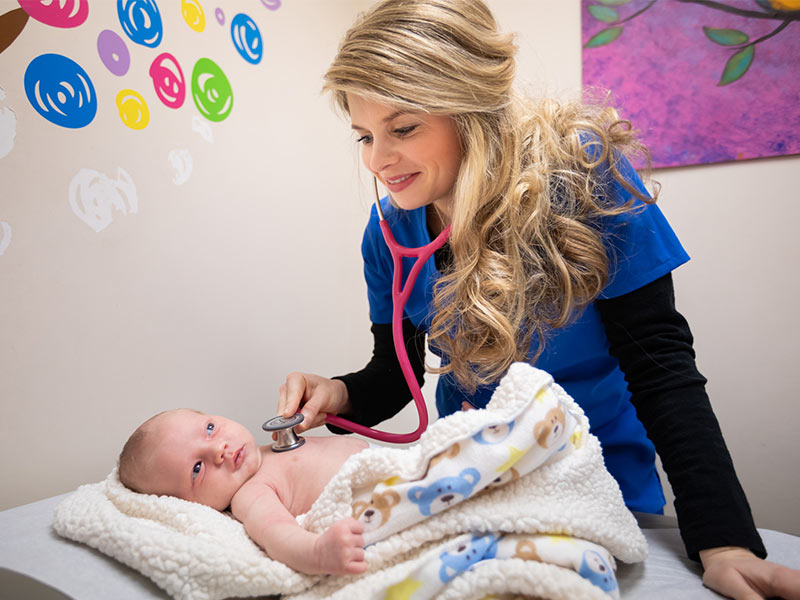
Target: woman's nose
pixel 382 155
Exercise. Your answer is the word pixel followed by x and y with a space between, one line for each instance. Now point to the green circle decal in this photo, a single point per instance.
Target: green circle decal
pixel 211 90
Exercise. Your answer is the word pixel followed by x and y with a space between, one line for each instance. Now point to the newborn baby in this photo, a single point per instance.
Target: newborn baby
pixel 215 461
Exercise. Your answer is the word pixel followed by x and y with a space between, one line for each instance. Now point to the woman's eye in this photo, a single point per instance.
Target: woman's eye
pixel 364 139
pixel 196 469
pixel 401 131
pixel 210 428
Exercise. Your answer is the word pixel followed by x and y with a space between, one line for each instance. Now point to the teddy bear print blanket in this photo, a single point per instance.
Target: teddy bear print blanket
pixel 511 499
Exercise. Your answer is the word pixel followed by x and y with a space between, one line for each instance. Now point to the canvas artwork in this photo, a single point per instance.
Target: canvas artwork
pixel 703 81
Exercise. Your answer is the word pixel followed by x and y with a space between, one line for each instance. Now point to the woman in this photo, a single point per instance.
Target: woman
pixel 556 255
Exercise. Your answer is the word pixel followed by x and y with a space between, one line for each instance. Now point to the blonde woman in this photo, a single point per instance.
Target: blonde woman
pixel 557 255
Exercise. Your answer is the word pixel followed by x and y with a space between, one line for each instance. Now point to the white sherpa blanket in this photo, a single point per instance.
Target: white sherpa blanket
pixel 564 495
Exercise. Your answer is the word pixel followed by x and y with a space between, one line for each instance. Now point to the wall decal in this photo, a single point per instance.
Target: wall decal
pixel 8 127
pixel 168 80
pixel 181 162
pixel 133 109
pixel 272 4
pixel 141 21
pixel 60 90
pixel 211 90
pixel 193 15
pixel 64 13
pixel 247 38
pixel 11 25
pixel 113 52
pixel 203 128
pixel 5 236
pixel 94 197
pixel 220 15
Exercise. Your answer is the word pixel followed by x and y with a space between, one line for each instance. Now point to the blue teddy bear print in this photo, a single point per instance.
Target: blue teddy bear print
pixel 464 555
pixel 444 492
pixel 597 570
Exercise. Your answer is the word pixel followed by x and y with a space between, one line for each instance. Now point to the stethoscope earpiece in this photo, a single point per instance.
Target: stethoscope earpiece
pixel 287 439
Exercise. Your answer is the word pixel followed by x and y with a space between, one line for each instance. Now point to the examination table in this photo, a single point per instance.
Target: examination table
pixel 37 564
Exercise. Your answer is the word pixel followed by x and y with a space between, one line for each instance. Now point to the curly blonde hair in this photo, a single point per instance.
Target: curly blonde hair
pixel 528 251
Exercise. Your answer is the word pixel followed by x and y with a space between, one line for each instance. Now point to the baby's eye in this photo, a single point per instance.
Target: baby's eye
pixel 210 428
pixel 196 469
pixel 364 139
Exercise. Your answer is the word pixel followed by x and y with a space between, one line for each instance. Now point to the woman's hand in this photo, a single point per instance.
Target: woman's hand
pixel 740 574
pixel 314 396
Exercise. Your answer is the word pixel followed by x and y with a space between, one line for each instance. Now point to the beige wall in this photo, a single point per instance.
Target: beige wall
pixel 216 288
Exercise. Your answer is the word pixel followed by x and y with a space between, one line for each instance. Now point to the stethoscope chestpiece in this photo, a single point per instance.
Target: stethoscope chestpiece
pixel 287 439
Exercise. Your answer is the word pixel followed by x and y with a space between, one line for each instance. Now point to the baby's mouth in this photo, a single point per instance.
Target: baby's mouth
pixel 238 458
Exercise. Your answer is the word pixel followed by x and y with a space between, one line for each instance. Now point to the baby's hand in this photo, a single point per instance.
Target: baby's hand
pixel 340 549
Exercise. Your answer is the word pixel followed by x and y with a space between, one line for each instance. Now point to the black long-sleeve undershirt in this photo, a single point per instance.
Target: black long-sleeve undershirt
pixel 653 344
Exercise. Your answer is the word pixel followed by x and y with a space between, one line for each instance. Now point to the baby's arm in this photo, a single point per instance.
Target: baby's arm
pixel 339 550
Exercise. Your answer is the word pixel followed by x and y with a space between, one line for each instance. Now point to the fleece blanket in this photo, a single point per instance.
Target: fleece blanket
pixel 511 499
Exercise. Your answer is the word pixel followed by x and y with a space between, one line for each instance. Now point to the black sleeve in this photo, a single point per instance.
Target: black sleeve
pixel 379 391
pixel 653 344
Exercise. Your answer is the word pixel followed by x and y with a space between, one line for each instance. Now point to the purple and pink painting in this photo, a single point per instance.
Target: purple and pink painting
pixel 702 81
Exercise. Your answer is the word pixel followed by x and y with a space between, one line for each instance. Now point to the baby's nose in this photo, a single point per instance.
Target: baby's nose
pixel 222 450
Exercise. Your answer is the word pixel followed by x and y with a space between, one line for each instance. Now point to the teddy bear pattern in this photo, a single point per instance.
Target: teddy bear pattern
pixel 491 456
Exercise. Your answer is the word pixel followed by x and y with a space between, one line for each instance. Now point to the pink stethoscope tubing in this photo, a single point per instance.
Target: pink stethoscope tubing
pixel 400 295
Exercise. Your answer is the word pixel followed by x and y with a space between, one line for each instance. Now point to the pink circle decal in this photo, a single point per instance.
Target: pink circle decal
pixel 64 14
pixel 113 52
pixel 220 16
pixel 168 80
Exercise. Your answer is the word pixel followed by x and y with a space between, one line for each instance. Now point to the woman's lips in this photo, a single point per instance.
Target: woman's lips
pixel 399 183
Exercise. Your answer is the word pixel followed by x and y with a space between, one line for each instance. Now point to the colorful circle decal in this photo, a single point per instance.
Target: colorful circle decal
pixel 211 90
pixel 220 16
pixel 168 80
pixel 60 90
pixel 133 109
pixel 247 38
pixel 113 52
pixel 193 15
pixel 141 21
pixel 64 14
pixel 271 4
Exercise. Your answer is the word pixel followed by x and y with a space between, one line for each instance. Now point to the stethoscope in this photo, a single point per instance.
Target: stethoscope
pixel 286 438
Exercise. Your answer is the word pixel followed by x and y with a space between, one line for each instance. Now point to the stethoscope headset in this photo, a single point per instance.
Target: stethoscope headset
pixel 286 438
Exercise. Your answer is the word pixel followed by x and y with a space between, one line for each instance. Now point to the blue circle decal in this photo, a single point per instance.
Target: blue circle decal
pixel 61 91
pixel 141 21
pixel 247 38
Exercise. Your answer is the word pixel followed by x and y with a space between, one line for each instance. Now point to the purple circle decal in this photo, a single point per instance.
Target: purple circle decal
pixel 113 52
pixel 220 16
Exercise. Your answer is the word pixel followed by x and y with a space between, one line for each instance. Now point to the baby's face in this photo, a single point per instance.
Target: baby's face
pixel 202 458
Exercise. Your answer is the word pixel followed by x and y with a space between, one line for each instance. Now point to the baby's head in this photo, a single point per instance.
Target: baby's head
pixel 190 455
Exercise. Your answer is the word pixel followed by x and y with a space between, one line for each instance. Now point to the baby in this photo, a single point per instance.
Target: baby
pixel 215 461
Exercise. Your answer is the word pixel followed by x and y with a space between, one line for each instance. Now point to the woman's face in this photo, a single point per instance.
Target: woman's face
pixel 415 155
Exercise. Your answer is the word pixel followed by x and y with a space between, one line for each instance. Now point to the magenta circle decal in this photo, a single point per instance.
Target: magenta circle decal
pixel 220 16
pixel 113 52
pixel 168 80
pixel 64 14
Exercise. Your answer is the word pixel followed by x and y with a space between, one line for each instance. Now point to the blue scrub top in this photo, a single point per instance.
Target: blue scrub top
pixel 642 247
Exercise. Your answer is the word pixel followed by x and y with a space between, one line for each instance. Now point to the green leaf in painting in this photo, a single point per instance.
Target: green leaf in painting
pixel 603 13
pixel 614 2
pixel 737 65
pixel 726 37
pixel 606 36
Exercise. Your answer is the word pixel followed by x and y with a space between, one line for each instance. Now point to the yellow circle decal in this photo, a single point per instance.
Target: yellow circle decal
pixel 193 14
pixel 133 109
